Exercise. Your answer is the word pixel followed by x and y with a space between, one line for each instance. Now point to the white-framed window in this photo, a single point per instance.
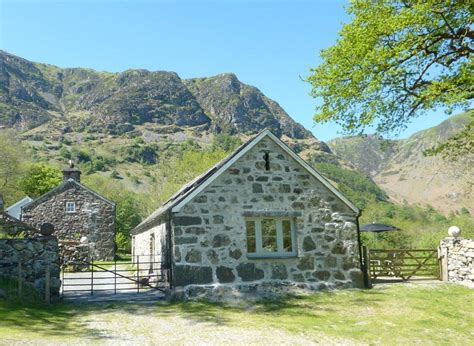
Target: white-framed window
pixel 70 207
pixel 270 237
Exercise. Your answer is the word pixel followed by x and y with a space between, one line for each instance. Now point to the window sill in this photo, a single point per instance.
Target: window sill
pixel 274 256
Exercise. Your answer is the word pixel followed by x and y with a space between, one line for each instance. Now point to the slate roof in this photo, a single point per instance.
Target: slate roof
pixel 64 185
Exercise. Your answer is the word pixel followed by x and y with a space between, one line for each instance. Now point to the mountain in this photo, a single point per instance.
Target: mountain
pixel 130 124
pixel 400 168
pixel 32 94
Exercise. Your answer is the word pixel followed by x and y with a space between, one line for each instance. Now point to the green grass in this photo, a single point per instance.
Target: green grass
pixel 396 314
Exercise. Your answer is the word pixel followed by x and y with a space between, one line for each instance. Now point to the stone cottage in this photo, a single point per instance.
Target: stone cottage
pixel 260 219
pixel 80 216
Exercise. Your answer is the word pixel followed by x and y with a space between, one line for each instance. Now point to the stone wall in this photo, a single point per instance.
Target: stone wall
pixel 458 257
pixel 209 235
pixel 35 255
pixel 74 255
pixel 152 246
pixel 93 222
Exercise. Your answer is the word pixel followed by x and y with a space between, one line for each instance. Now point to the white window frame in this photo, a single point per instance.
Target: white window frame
pixel 67 207
pixel 259 252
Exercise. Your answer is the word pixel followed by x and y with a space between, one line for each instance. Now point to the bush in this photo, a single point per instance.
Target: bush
pixel 39 179
pixel 64 152
pixel 226 142
pixel 83 156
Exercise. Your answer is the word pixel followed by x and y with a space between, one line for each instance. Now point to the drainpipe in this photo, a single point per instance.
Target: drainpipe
pixel 363 266
pixel 170 249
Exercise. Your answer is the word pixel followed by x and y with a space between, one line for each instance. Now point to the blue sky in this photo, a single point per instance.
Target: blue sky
pixel 268 44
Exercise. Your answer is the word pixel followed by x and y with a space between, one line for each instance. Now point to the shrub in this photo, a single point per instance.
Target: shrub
pixel 39 179
pixel 64 152
pixel 226 142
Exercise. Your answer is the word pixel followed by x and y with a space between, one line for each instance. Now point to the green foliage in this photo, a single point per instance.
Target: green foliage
pixel 83 155
pixel 140 153
pixel 39 179
pixel 11 166
pixel 459 147
pixel 359 188
pixel 180 169
pixel 64 152
pixel 396 60
pixel 225 142
pixel 416 314
pixel 421 227
pixel 114 174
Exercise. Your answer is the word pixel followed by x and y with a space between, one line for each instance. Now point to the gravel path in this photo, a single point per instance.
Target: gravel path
pixel 118 329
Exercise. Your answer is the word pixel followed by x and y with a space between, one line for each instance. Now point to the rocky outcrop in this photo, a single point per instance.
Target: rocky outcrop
pixel 32 94
pixel 395 165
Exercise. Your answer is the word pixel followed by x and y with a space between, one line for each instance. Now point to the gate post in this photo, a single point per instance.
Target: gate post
pixel 47 285
pixel 20 283
pixel 443 263
pixel 92 276
pixel 138 274
pixel 366 267
pixel 115 277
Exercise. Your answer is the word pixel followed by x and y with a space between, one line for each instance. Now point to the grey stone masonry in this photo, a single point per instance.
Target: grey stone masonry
pixel 209 233
pixel 459 256
pixel 92 222
pixel 35 255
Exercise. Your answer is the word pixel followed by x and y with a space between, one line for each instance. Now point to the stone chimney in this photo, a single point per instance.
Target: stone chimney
pixel 72 173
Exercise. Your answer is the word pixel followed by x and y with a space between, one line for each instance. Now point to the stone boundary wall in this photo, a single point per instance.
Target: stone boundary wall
pixel 458 259
pixel 74 255
pixel 35 255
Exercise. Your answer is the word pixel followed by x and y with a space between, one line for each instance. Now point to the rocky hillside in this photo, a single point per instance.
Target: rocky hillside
pixel 127 125
pixel 400 168
pixel 32 94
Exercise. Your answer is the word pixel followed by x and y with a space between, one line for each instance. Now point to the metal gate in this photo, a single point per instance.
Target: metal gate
pixel 403 263
pixel 115 278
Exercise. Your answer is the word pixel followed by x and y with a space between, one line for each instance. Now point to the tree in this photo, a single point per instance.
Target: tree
pixel 394 61
pixel 11 166
pixel 39 179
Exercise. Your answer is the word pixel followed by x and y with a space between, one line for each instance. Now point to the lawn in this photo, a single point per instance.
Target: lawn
pixel 395 314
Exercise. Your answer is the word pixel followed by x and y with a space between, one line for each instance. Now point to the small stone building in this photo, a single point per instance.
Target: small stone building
pixel 81 217
pixel 260 219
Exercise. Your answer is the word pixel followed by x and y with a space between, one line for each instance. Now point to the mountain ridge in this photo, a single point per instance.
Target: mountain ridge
pixel 33 93
pixel 405 173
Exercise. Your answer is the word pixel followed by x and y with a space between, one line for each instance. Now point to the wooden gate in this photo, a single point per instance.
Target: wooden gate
pixel 403 263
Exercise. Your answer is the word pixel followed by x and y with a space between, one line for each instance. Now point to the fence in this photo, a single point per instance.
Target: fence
pixel 402 263
pixel 16 288
pixel 115 277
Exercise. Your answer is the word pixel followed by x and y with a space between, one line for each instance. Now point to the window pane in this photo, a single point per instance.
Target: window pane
pixel 269 235
pixel 287 246
pixel 250 226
